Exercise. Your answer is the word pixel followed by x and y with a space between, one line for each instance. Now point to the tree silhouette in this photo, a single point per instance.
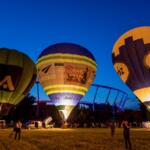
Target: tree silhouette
pixel 23 111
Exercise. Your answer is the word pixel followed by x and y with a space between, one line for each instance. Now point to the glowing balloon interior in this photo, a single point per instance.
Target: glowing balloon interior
pixel 66 71
pixel 17 75
pixel 131 58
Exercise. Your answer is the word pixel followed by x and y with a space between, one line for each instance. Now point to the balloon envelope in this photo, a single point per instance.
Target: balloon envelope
pixel 66 71
pixel 131 59
pixel 17 75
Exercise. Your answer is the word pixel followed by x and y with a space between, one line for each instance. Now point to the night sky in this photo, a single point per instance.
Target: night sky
pixel 30 26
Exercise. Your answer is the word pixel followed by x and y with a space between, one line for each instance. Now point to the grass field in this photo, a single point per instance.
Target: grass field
pixel 73 139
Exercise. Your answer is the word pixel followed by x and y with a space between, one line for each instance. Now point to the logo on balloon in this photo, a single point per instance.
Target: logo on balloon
pixel 7 84
pixel 46 69
pixel 122 71
pixel 76 74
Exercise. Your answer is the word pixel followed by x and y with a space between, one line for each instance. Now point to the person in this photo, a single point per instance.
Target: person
pixel 17 130
pixel 112 128
pixel 65 125
pixel 126 133
pixel 36 124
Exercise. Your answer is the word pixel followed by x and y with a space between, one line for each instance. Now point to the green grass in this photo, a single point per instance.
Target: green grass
pixel 73 139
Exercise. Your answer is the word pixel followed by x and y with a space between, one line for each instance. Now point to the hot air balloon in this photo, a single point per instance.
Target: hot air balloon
pixel 66 71
pixel 17 75
pixel 131 59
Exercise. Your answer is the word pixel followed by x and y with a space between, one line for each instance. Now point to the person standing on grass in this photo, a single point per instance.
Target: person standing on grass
pixel 112 128
pixel 126 133
pixel 18 126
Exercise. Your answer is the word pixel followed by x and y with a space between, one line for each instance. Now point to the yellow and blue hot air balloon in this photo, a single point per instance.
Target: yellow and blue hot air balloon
pixel 66 71
pixel 131 59
pixel 17 75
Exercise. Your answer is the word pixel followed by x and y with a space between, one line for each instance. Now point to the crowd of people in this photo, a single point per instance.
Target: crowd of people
pixel 106 124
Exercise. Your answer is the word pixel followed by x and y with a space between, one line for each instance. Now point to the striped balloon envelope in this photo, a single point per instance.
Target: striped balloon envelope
pixel 131 59
pixel 17 75
pixel 66 71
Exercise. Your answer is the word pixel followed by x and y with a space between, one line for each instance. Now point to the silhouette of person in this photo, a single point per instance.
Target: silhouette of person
pixel 36 124
pixel 126 133
pixel 112 128
pixel 18 126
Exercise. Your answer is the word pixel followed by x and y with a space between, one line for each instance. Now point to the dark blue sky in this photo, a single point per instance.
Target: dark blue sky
pixel 32 25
